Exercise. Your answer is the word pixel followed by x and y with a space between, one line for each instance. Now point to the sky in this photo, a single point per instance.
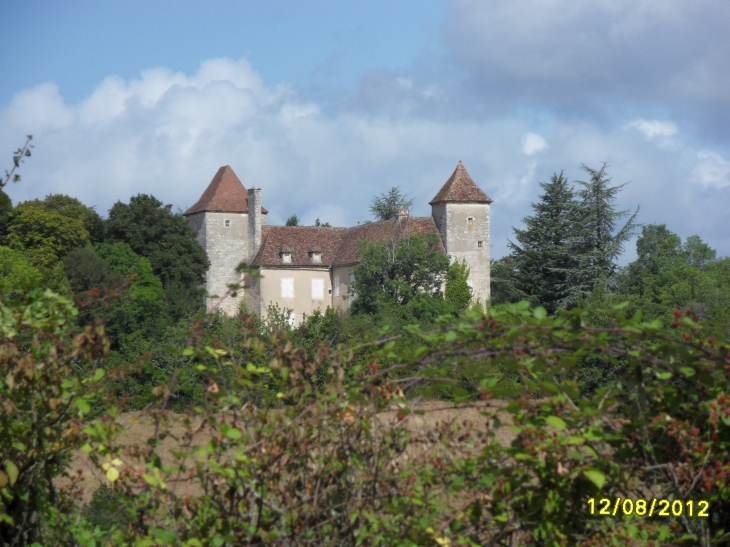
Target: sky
pixel 326 104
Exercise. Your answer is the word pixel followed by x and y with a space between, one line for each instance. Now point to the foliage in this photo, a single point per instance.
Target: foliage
pixel 45 237
pixel 6 206
pixel 165 239
pixel 386 206
pixel 543 259
pixel 394 272
pixel 73 208
pixel 292 220
pixel 457 290
pixel 328 468
pixel 42 403
pixel 595 245
pixel 18 156
pixel 85 270
pixel 324 225
pixel 17 275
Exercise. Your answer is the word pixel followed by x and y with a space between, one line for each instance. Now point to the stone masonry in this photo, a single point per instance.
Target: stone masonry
pixel 307 268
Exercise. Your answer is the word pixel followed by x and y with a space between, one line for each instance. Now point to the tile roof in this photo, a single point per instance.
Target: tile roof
pixel 461 187
pixel 297 240
pixel 338 246
pixel 378 232
pixel 225 193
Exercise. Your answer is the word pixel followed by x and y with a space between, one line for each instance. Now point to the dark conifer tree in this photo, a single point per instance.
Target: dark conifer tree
pixel 542 257
pixel 594 244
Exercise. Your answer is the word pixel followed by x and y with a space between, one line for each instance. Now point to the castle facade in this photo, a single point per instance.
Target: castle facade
pixel 308 268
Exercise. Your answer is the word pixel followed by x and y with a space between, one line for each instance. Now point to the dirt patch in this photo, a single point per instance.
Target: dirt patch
pixel 425 419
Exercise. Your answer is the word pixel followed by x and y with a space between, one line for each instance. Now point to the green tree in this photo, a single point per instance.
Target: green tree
pixel 85 270
pixel 457 290
pixel 153 231
pixel 292 220
pixel 324 225
pixel 594 244
pixel 45 236
pixel 542 257
pixel 6 206
pixel 394 272
pixel 386 206
pixel 17 274
pixel 73 208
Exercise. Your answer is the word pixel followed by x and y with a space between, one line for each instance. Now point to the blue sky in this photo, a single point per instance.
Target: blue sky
pixel 326 104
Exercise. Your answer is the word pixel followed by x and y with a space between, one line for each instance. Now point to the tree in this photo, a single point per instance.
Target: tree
pixel 396 271
pixel 45 236
pixel 17 274
pixel 292 220
pixel 6 206
pixel 73 208
pixel 457 290
pixel 324 225
pixel 595 245
pixel 86 270
pixel 542 257
pixel 386 206
pixel 165 239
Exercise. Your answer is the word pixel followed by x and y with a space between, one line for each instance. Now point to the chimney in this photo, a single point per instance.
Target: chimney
pixel 402 215
pixel 254 221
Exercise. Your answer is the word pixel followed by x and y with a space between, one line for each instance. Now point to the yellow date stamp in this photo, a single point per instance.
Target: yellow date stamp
pixel 654 507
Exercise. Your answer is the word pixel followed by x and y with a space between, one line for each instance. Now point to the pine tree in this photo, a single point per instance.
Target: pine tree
pixel 594 244
pixel 542 255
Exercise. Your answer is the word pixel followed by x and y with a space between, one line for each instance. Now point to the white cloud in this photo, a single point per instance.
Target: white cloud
pixel 713 170
pixel 167 133
pixel 654 128
pixel 532 143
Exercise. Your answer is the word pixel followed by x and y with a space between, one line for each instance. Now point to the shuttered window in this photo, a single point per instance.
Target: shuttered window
pixel 317 289
pixel 287 287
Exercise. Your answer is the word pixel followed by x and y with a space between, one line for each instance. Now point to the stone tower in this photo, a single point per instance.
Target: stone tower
pixel 461 212
pixel 229 232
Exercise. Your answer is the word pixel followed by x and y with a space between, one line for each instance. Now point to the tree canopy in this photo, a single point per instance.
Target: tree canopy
pixel 387 205
pixel 164 238
pixel 396 271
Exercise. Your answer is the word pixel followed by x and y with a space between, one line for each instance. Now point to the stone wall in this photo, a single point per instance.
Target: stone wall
pixel 462 226
pixel 224 236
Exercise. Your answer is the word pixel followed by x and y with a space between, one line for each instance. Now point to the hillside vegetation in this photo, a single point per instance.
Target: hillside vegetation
pixel 585 405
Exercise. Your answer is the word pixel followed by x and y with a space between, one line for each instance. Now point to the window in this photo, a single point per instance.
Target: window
pixel 316 256
pixel 227 223
pixel 317 289
pixel 480 244
pixel 470 221
pixel 337 285
pixel 292 319
pixel 286 258
pixel 287 287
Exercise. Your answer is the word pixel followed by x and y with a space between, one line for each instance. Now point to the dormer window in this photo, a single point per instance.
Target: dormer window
pixel 315 256
pixel 286 258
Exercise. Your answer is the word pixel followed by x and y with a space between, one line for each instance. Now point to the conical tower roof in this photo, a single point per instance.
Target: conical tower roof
pixel 461 187
pixel 224 194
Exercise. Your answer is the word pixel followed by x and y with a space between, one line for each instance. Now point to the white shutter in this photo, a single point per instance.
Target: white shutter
pixel 287 287
pixel 317 289
pixel 337 285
